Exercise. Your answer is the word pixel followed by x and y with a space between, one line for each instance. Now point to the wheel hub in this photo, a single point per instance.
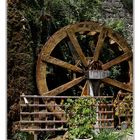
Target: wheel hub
pixel 95 71
pixel 97 74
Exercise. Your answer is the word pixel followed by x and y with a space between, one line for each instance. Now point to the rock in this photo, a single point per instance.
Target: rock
pixel 118 4
pixel 121 14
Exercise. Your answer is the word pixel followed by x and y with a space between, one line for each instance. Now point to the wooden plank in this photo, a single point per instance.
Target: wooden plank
pixel 45 105
pixel 105 120
pixel 37 113
pixel 74 54
pixel 61 121
pixel 117 84
pixel 64 87
pixel 100 42
pixel 61 63
pixel 85 90
pixel 117 60
pixel 77 47
pixel 105 112
pixel 39 105
pixel 36 117
pixel 49 129
pixel 65 97
pixel 36 109
pixel 35 136
pixel 130 72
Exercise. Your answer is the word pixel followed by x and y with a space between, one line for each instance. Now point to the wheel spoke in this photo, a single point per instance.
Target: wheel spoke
pixel 118 84
pixel 85 90
pixel 61 63
pixel 100 42
pixel 77 47
pixel 117 60
pixel 64 87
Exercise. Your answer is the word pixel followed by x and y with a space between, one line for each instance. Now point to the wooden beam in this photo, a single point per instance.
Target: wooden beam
pixel 85 90
pixel 117 60
pixel 117 84
pixel 100 42
pixel 61 63
pixel 77 47
pixel 64 87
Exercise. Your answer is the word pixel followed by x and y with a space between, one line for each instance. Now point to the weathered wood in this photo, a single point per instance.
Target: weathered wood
pixel 49 129
pixel 35 136
pixel 117 84
pixel 92 33
pixel 35 113
pixel 100 42
pixel 62 33
pixel 39 105
pixel 119 40
pixel 41 76
pixel 59 113
pixel 77 47
pixel 50 121
pixel 117 60
pixel 111 41
pixel 58 109
pixel 36 109
pixel 85 90
pixel 87 28
pixel 61 63
pixel 64 87
pixel 73 52
pixel 130 72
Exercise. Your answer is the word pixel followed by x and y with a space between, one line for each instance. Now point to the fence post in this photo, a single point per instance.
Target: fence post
pixel 35 136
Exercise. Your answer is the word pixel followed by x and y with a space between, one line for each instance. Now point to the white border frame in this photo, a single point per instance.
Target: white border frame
pixel 3 70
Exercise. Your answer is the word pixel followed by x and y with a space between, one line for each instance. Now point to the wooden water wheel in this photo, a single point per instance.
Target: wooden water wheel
pixel 95 53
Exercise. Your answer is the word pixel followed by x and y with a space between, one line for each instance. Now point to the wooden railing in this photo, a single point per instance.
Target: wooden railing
pixel 35 115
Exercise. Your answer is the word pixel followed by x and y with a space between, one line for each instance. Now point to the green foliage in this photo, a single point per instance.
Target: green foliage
pixel 115 71
pixel 81 117
pixel 109 134
pixel 23 136
pixel 125 106
pixel 19 62
pixel 69 11
pixel 117 25
pixel 112 134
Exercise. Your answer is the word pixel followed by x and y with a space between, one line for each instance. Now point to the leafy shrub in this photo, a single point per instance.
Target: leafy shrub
pixel 23 136
pixel 109 134
pixel 81 117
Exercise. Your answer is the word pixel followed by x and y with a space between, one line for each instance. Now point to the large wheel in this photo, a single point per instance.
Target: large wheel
pixel 84 59
pixel 93 50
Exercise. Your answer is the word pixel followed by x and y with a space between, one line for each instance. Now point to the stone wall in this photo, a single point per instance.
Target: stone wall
pixel 113 10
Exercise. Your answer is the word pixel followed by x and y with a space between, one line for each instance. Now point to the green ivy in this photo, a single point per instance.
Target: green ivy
pixel 81 117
